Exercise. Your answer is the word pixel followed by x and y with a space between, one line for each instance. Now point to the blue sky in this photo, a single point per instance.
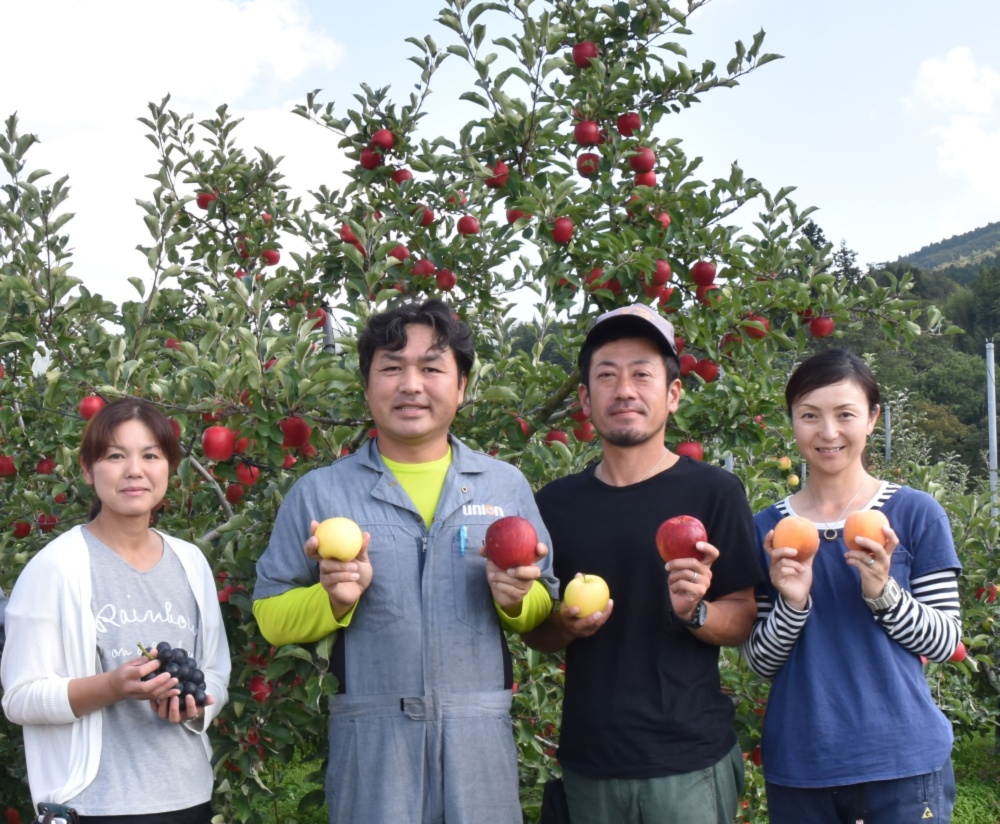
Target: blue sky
pixel 885 115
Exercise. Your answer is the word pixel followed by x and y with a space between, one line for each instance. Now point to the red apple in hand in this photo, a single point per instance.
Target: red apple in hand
pixel 511 542
pixel 960 653
pixel 677 536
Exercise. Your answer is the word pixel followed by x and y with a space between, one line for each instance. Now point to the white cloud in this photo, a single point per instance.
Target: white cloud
pixel 958 101
pixel 88 70
pixel 957 84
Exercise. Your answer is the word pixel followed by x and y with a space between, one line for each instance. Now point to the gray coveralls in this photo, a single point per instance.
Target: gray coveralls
pixel 421 733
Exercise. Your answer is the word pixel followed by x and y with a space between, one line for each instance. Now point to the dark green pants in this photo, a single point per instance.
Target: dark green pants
pixel 708 796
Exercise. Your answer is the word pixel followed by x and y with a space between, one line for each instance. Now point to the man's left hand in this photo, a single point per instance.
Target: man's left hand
pixel 509 586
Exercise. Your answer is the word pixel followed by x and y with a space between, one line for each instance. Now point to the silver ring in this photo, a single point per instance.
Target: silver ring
pixel 870 562
pixel 694 577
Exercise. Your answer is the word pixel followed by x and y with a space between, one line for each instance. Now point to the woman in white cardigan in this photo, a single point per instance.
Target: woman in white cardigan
pixel 99 736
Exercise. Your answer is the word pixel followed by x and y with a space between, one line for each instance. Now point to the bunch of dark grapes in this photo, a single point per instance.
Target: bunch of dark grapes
pixel 176 662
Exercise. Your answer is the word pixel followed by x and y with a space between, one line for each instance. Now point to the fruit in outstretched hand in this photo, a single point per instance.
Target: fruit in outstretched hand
pixel 589 593
pixel 511 542
pixel 339 538
pixel 865 523
pixel 677 536
pixel 799 534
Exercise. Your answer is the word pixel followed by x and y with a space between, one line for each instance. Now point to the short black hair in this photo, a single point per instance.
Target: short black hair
pixel 623 328
pixel 827 368
pixel 387 330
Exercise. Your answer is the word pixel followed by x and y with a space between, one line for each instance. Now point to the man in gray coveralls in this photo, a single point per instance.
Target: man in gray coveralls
pixel 420 730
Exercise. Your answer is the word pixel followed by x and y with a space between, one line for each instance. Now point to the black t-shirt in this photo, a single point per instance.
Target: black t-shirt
pixel 643 697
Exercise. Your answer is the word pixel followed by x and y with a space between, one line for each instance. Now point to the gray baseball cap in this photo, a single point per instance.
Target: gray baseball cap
pixel 639 316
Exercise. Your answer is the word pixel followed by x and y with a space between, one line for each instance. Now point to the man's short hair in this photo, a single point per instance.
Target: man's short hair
pixel 387 330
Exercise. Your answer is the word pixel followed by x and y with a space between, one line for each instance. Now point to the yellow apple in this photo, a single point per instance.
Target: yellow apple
pixel 793 480
pixel 588 592
pixel 339 538
pixel 784 463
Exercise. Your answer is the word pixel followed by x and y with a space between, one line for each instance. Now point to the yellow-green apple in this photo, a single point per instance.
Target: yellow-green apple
pixel 588 593
pixel 339 538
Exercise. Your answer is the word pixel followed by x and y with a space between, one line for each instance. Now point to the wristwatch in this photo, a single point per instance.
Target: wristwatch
pixel 890 596
pixel 698 619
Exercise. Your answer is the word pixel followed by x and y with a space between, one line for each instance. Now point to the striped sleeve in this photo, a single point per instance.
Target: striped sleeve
pixel 927 622
pixel 777 628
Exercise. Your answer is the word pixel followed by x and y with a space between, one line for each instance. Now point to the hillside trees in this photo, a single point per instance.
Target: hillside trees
pixel 254 294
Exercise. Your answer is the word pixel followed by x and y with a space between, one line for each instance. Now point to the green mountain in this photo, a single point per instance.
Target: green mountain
pixel 961 256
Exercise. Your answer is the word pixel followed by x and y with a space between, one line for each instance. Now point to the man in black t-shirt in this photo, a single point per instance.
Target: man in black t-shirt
pixel 647 733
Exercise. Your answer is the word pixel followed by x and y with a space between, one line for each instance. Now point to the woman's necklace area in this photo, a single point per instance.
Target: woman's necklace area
pixel 829 533
pixel 602 476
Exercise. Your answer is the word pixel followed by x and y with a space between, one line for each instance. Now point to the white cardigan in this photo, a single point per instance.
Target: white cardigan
pixel 52 639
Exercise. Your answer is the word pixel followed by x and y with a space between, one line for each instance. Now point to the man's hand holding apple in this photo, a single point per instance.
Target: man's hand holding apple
pixel 344 580
pixel 509 586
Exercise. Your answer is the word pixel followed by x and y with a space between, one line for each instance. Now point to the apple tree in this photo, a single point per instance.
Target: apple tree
pixel 559 194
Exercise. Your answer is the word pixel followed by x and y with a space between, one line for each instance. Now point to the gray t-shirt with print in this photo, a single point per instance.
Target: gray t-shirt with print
pixel 138 748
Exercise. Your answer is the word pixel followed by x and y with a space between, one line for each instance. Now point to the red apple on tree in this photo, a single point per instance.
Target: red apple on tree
pixel 384 139
pixel 692 449
pixel 646 179
pixel 218 443
pixel 370 159
pixel 271 257
pixel 401 176
pixel 205 199
pixel 753 331
pixel 588 164
pixel 247 474
pixel 707 370
pixel 587 133
pixel 426 216
pixel 514 215
pixel 584 432
pixel 446 280
pixel 46 466
pixel 708 295
pixel 960 653
pixel 583 53
pixel 296 432
pixel 424 268
pixel 499 176
pixel 234 492
pixel 400 252
pixel 22 529
pixel 554 435
pixel 688 363
pixel 562 230
pixel 172 343
pixel 90 406
pixel 46 522
pixel 320 315
pixel 703 273
pixel 677 536
pixel 643 160
pixel 468 225
pixel 628 124
pixel 821 327
pixel 7 467
pixel 260 688
pixel 511 542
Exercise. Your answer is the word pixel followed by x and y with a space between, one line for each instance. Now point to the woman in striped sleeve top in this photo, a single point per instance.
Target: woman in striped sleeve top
pixel 851 731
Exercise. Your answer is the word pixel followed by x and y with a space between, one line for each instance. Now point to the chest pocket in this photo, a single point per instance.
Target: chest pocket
pixel 473 600
pixel 392 552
